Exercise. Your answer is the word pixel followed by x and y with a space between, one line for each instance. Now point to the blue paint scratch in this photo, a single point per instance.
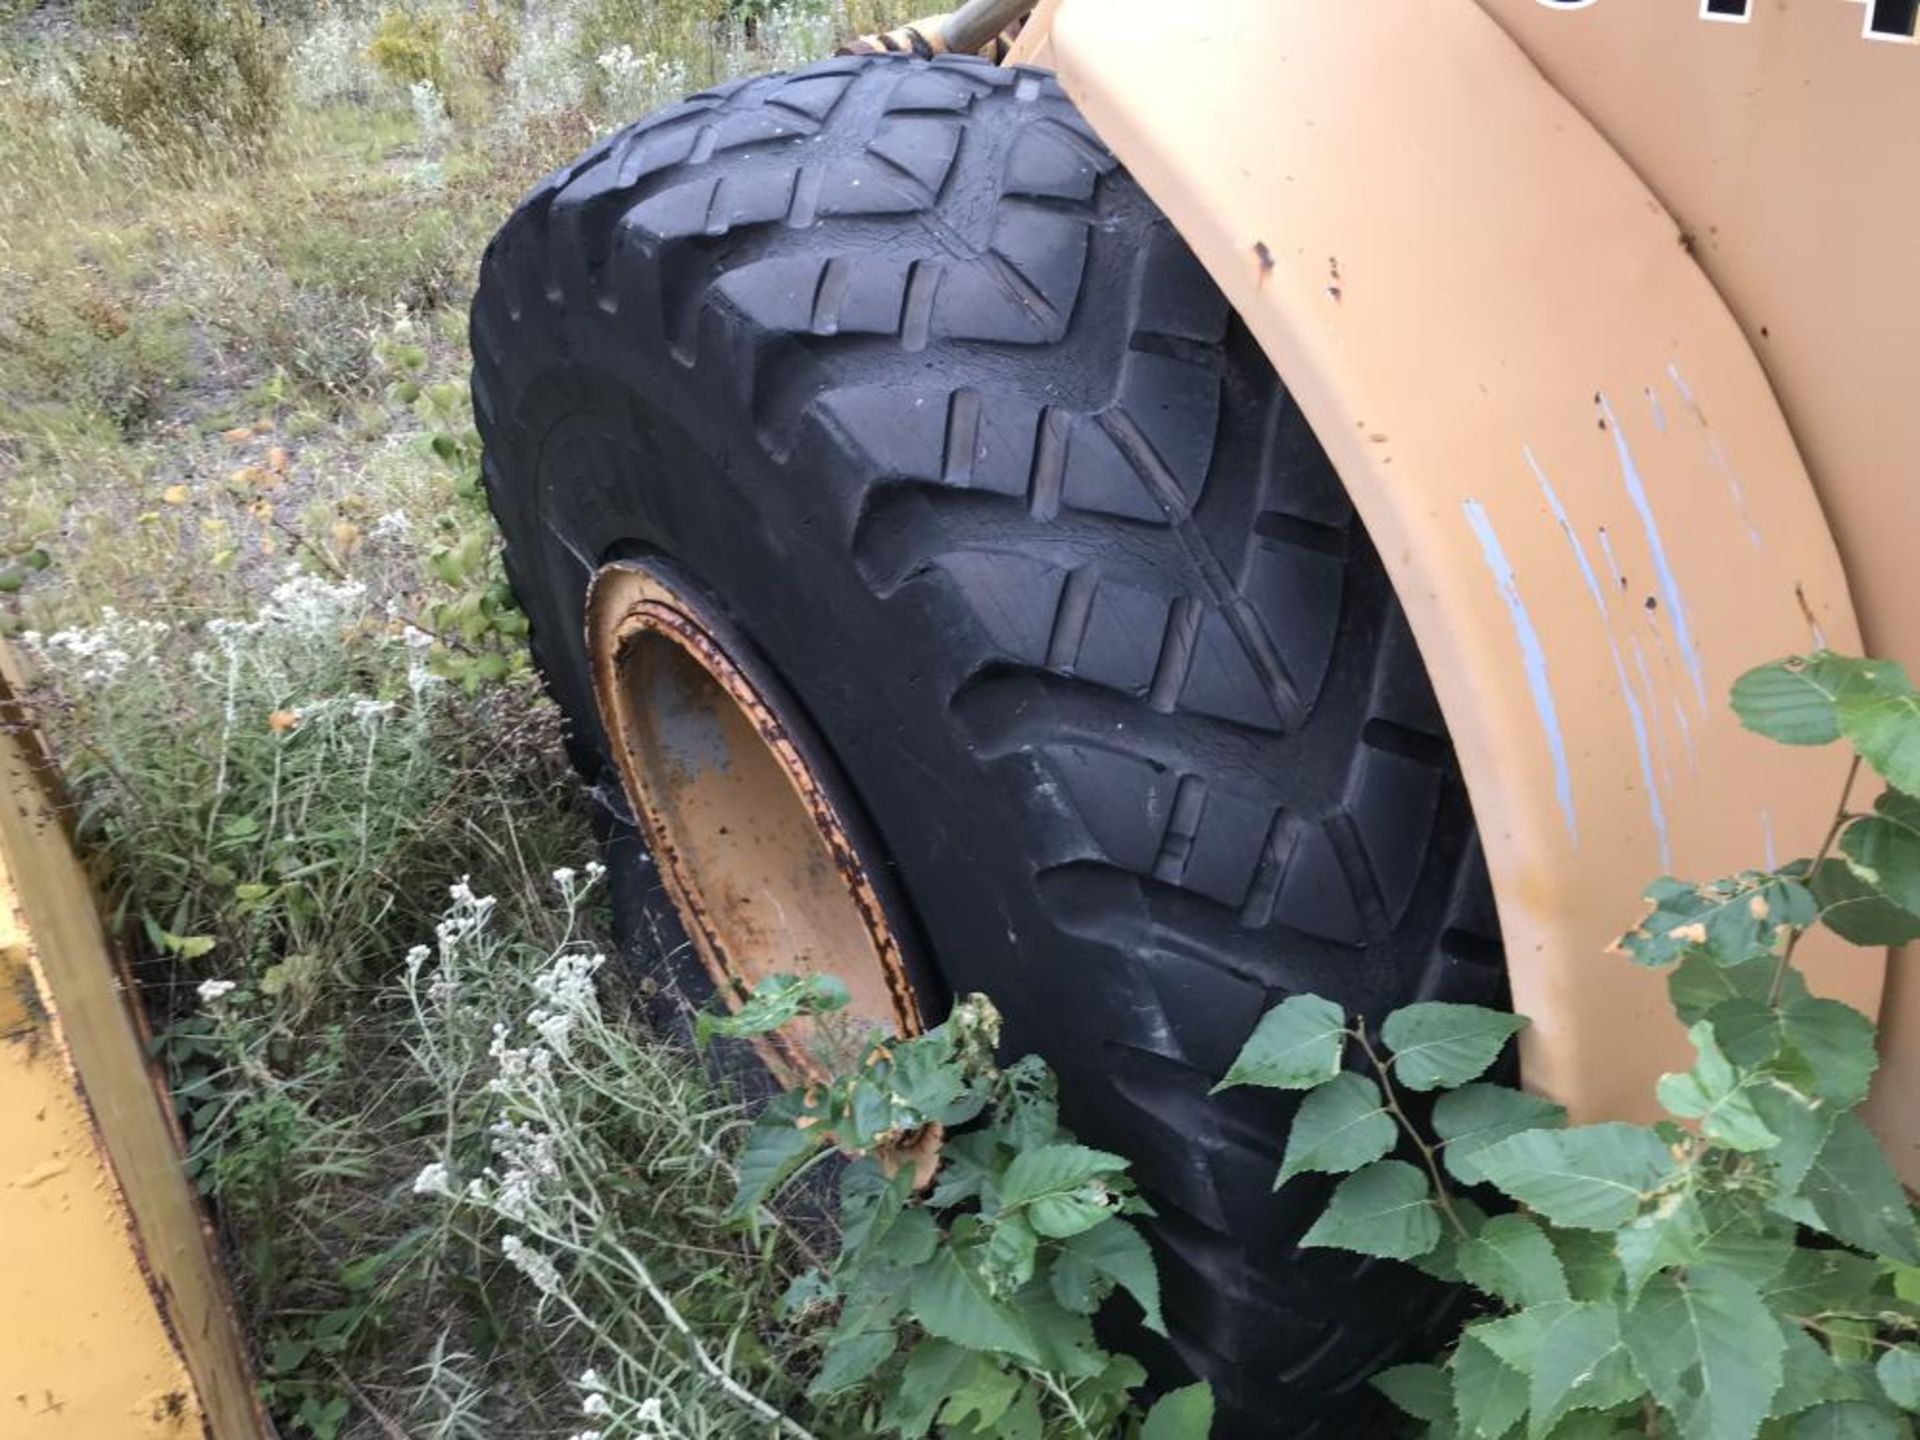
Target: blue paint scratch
pixel 1646 682
pixel 1532 657
pixel 1686 736
pixel 1656 810
pixel 1613 565
pixel 1766 830
pixel 1734 487
pixel 1659 415
pixel 1673 373
pixel 1669 585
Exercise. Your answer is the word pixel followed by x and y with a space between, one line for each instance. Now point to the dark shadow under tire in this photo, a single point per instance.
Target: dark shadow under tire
pixel 944 417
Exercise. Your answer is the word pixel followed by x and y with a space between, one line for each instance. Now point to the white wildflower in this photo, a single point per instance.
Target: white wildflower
pixel 567 984
pixel 553 1029
pixel 308 607
pixel 212 992
pixel 532 1264
pixel 590 1379
pixel 433 1180
pixel 596 1406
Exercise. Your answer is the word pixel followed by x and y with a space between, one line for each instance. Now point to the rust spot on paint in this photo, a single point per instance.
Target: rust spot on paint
pixel 1265 256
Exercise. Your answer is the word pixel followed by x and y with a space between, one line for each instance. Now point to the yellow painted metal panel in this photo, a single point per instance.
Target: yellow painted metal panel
pixel 114 1320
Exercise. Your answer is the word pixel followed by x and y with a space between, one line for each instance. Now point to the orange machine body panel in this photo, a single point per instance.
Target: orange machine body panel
pixel 1472 237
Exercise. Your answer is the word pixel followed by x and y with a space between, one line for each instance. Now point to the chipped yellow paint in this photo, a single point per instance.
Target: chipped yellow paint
pixel 114 1323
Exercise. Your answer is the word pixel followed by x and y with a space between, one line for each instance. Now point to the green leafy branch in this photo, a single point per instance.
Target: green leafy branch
pixel 978 1238
pixel 480 632
pixel 1744 1268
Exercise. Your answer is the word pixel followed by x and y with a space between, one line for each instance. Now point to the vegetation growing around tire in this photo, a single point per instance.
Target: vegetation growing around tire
pixel 1749 1266
pixel 970 1266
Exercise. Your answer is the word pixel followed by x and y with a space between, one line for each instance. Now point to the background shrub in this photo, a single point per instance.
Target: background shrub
pixel 205 77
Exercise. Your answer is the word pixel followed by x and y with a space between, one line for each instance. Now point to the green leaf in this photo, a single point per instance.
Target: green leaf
pixel 1511 1259
pixel 1808 1374
pixel 981 1396
pixel 1794 701
pixel 1489 1396
pixel 774 1150
pixel 1856 1196
pixel 1423 1391
pixel 910 1240
pixel 1750 1032
pixel 925 1383
pixel 1885 848
pixel 1837 1042
pixel 774 1001
pixel 1698 986
pixel 1296 1046
pixel 1442 1262
pixel 850 1361
pixel 1339 1127
pixel 1023 1420
pixel 1593 1269
pixel 952 1301
pixel 1849 1420
pixel 1593 1177
pixel 1062 1187
pixel 1742 1238
pixel 1709 1351
pixel 1065 1340
pixel 1516 1338
pixel 1055 1170
pixel 1581 1364
pixel 1010 1252
pixel 1473 1117
pixel 870 1201
pixel 1801 1122
pixel 1119 1252
pixel 1898 1370
pixel 1816 1280
pixel 1729 921
pixel 1716 1095
pixel 1855 911
pixel 1670 1233
pixel 1440 1046
pixel 1387 1209
pixel 1184 1414
pixel 1885 731
pixel 1059 1216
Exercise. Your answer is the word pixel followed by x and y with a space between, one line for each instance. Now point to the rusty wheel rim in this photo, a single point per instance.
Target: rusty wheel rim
pixel 737 810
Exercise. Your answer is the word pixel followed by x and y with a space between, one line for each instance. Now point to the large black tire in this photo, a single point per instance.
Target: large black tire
pixel 942 414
